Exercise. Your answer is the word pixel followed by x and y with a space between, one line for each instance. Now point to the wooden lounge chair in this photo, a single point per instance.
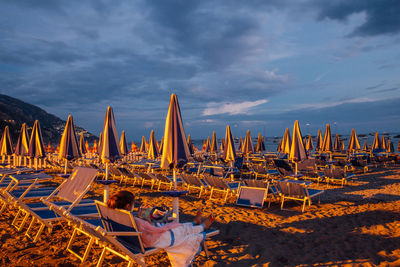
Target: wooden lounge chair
pixel 220 185
pixel 296 190
pixel 193 182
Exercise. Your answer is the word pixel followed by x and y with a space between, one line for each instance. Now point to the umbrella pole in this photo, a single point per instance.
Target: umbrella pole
pixel 36 164
pixel 65 166
pixel 295 166
pixel 106 187
pixel 175 201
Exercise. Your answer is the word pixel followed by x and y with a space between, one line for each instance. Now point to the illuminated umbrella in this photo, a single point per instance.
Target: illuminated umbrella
pixel 95 147
pixel 153 150
pixel 48 148
pixel 143 145
pixel 22 147
pixel 229 151
pixel 87 146
pixel 309 144
pixel 208 145
pixel 319 141
pixel 110 150
pixel 214 144
pixel 190 145
pixel 390 148
pixel 248 144
pixel 365 146
pixel 69 148
pixel 297 151
pixel 36 148
pixel 327 143
pixel 260 144
pixel 175 149
pixel 337 143
pixel 286 142
pixel 353 142
pixel 161 145
pixel 82 144
pixel 342 146
pixel 100 145
pixel 123 144
pixel 377 142
pixel 133 147
pixel 6 146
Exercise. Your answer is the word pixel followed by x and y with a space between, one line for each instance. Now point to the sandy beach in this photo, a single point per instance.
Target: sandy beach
pixel 354 225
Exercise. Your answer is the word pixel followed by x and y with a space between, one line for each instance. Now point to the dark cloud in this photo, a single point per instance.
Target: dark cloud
pixel 381 16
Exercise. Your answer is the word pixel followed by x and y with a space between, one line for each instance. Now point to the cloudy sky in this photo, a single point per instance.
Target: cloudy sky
pixel 253 64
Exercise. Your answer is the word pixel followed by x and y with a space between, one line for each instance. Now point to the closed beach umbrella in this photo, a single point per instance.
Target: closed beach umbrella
pixel 95 147
pixel 229 151
pixel 240 144
pixel 286 142
pixel 214 143
pixel 82 144
pixel 377 142
pixel 153 150
pixel 110 150
pixel 327 143
pixel 222 144
pixel 260 144
pixel 87 146
pixel 297 151
pixel 337 143
pixel 279 148
pixel 390 147
pixel 384 144
pixel 353 142
pixel 175 149
pixel 248 144
pixel 123 145
pixel 208 145
pixel 190 145
pixel 161 145
pixel 22 147
pixel 143 145
pixel 365 146
pixel 6 146
pixel 309 144
pixel 319 141
pixel 342 146
pixel 100 144
pixel 69 147
pixel 36 147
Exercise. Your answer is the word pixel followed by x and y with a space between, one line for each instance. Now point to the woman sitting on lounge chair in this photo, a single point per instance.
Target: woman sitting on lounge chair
pixel 181 240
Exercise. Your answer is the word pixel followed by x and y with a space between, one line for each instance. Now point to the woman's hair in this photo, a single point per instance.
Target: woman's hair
pixel 120 199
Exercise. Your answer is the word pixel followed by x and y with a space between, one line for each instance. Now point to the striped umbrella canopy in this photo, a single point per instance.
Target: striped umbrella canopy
pixel 248 144
pixel 69 146
pixel 365 146
pixel 100 144
pixel 384 144
pixel 82 144
pixel 241 144
pixel 110 150
pixel 260 144
pixel 309 144
pixel 36 147
pixel 6 144
pixel 143 145
pixel 214 143
pixel 286 142
pixel 229 151
pixel 353 142
pixel 222 144
pixel 377 144
pixel 123 145
pixel 390 147
pixel 175 149
pixel 22 147
pixel 297 151
pixel 319 141
pixel 327 143
pixel 153 150
pixel 190 145
pixel 337 143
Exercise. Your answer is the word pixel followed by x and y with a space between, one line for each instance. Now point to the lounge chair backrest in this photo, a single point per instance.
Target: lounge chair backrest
pixel 216 182
pixel 256 183
pixel 283 166
pixel 115 220
pixel 291 189
pixel 77 183
pixel 307 164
